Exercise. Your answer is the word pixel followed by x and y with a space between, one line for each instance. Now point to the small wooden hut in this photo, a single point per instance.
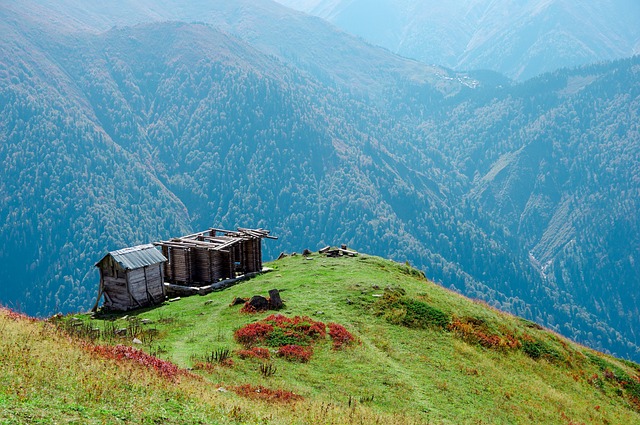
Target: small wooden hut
pixel 131 278
pixel 207 257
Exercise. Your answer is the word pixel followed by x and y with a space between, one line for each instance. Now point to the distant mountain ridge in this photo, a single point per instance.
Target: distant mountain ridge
pixel 518 39
pixel 520 195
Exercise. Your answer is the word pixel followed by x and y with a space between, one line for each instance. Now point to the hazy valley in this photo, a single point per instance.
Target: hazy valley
pixel 122 128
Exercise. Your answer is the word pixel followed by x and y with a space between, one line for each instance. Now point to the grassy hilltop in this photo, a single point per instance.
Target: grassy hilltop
pixel 419 354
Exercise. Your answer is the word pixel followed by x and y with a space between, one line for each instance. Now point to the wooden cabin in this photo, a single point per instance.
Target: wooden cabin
pixel 132 277
pixel 213 255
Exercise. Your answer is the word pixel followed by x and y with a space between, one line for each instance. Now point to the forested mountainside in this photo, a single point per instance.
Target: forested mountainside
pixel 520 39
pixel 523 196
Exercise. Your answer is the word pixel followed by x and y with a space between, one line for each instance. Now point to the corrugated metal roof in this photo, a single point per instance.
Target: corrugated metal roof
pixel 138 256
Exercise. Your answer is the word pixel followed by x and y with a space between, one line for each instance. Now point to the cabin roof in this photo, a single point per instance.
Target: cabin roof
pixel 136 256
pixel 205 240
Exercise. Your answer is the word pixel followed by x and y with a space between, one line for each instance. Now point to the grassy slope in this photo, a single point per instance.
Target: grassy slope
pixel 422 375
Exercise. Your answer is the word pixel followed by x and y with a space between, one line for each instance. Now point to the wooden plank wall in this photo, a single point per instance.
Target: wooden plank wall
pixel 116 295
pixel 201 266
pixel 202 262
pixel 137 287
pixel 180 265
pixel 154 283
pixel 141 287
pixel 219 266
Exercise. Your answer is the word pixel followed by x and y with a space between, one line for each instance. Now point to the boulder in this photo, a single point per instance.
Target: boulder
pixel 275 302
pixel 259 302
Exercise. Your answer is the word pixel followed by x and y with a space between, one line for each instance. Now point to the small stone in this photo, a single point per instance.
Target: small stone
pixel 375 287
pixel 308 258
pixel 147 321
pixel 222 390
pixel 136 341
pixel 174 299
pixel 377 295
pixel 125 317
pixel 319 312
pixel 349 301
pixel 208 302
pixel 306 252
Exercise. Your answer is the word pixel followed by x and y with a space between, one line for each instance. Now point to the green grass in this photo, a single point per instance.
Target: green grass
pixel 411 363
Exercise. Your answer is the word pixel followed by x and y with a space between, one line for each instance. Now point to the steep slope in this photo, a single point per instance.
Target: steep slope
pixel 564 186
pixel 138 133
pixel 308 43
pixel 206 120
pixel 521 40
pixel 67 189
pixel 422 354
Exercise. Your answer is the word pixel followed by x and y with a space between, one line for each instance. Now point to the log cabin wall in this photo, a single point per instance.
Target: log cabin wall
pixel 207 257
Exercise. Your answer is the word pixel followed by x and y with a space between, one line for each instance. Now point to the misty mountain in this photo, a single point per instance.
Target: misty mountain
pixel 521 195
pixel 518 39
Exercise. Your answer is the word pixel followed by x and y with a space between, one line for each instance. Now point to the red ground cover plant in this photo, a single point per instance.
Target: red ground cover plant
pixel 295 353
pixel 210 367
pixel 123 352
pixel 293 335
pixel 262 393
pixel 254 353
pixel 340 336
pixel 15 316
pixel 248 308
pixel 253 333
pixel 470 331
pixel 299 324
pixel 277 331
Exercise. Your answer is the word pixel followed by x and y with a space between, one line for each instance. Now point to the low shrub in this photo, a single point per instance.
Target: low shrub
pixel 122 352
pixel 254 353
pixel 253 333
pixel 298 330
pixel 631 384
pixel 280 337
pixel 210 367
pixel 537 349
pixel 295 353
pixel 409 312
pixel 421 315
pixel 248 308
pixel 267 394
pixel 340 336
pixel 475 331
pixel 293 335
